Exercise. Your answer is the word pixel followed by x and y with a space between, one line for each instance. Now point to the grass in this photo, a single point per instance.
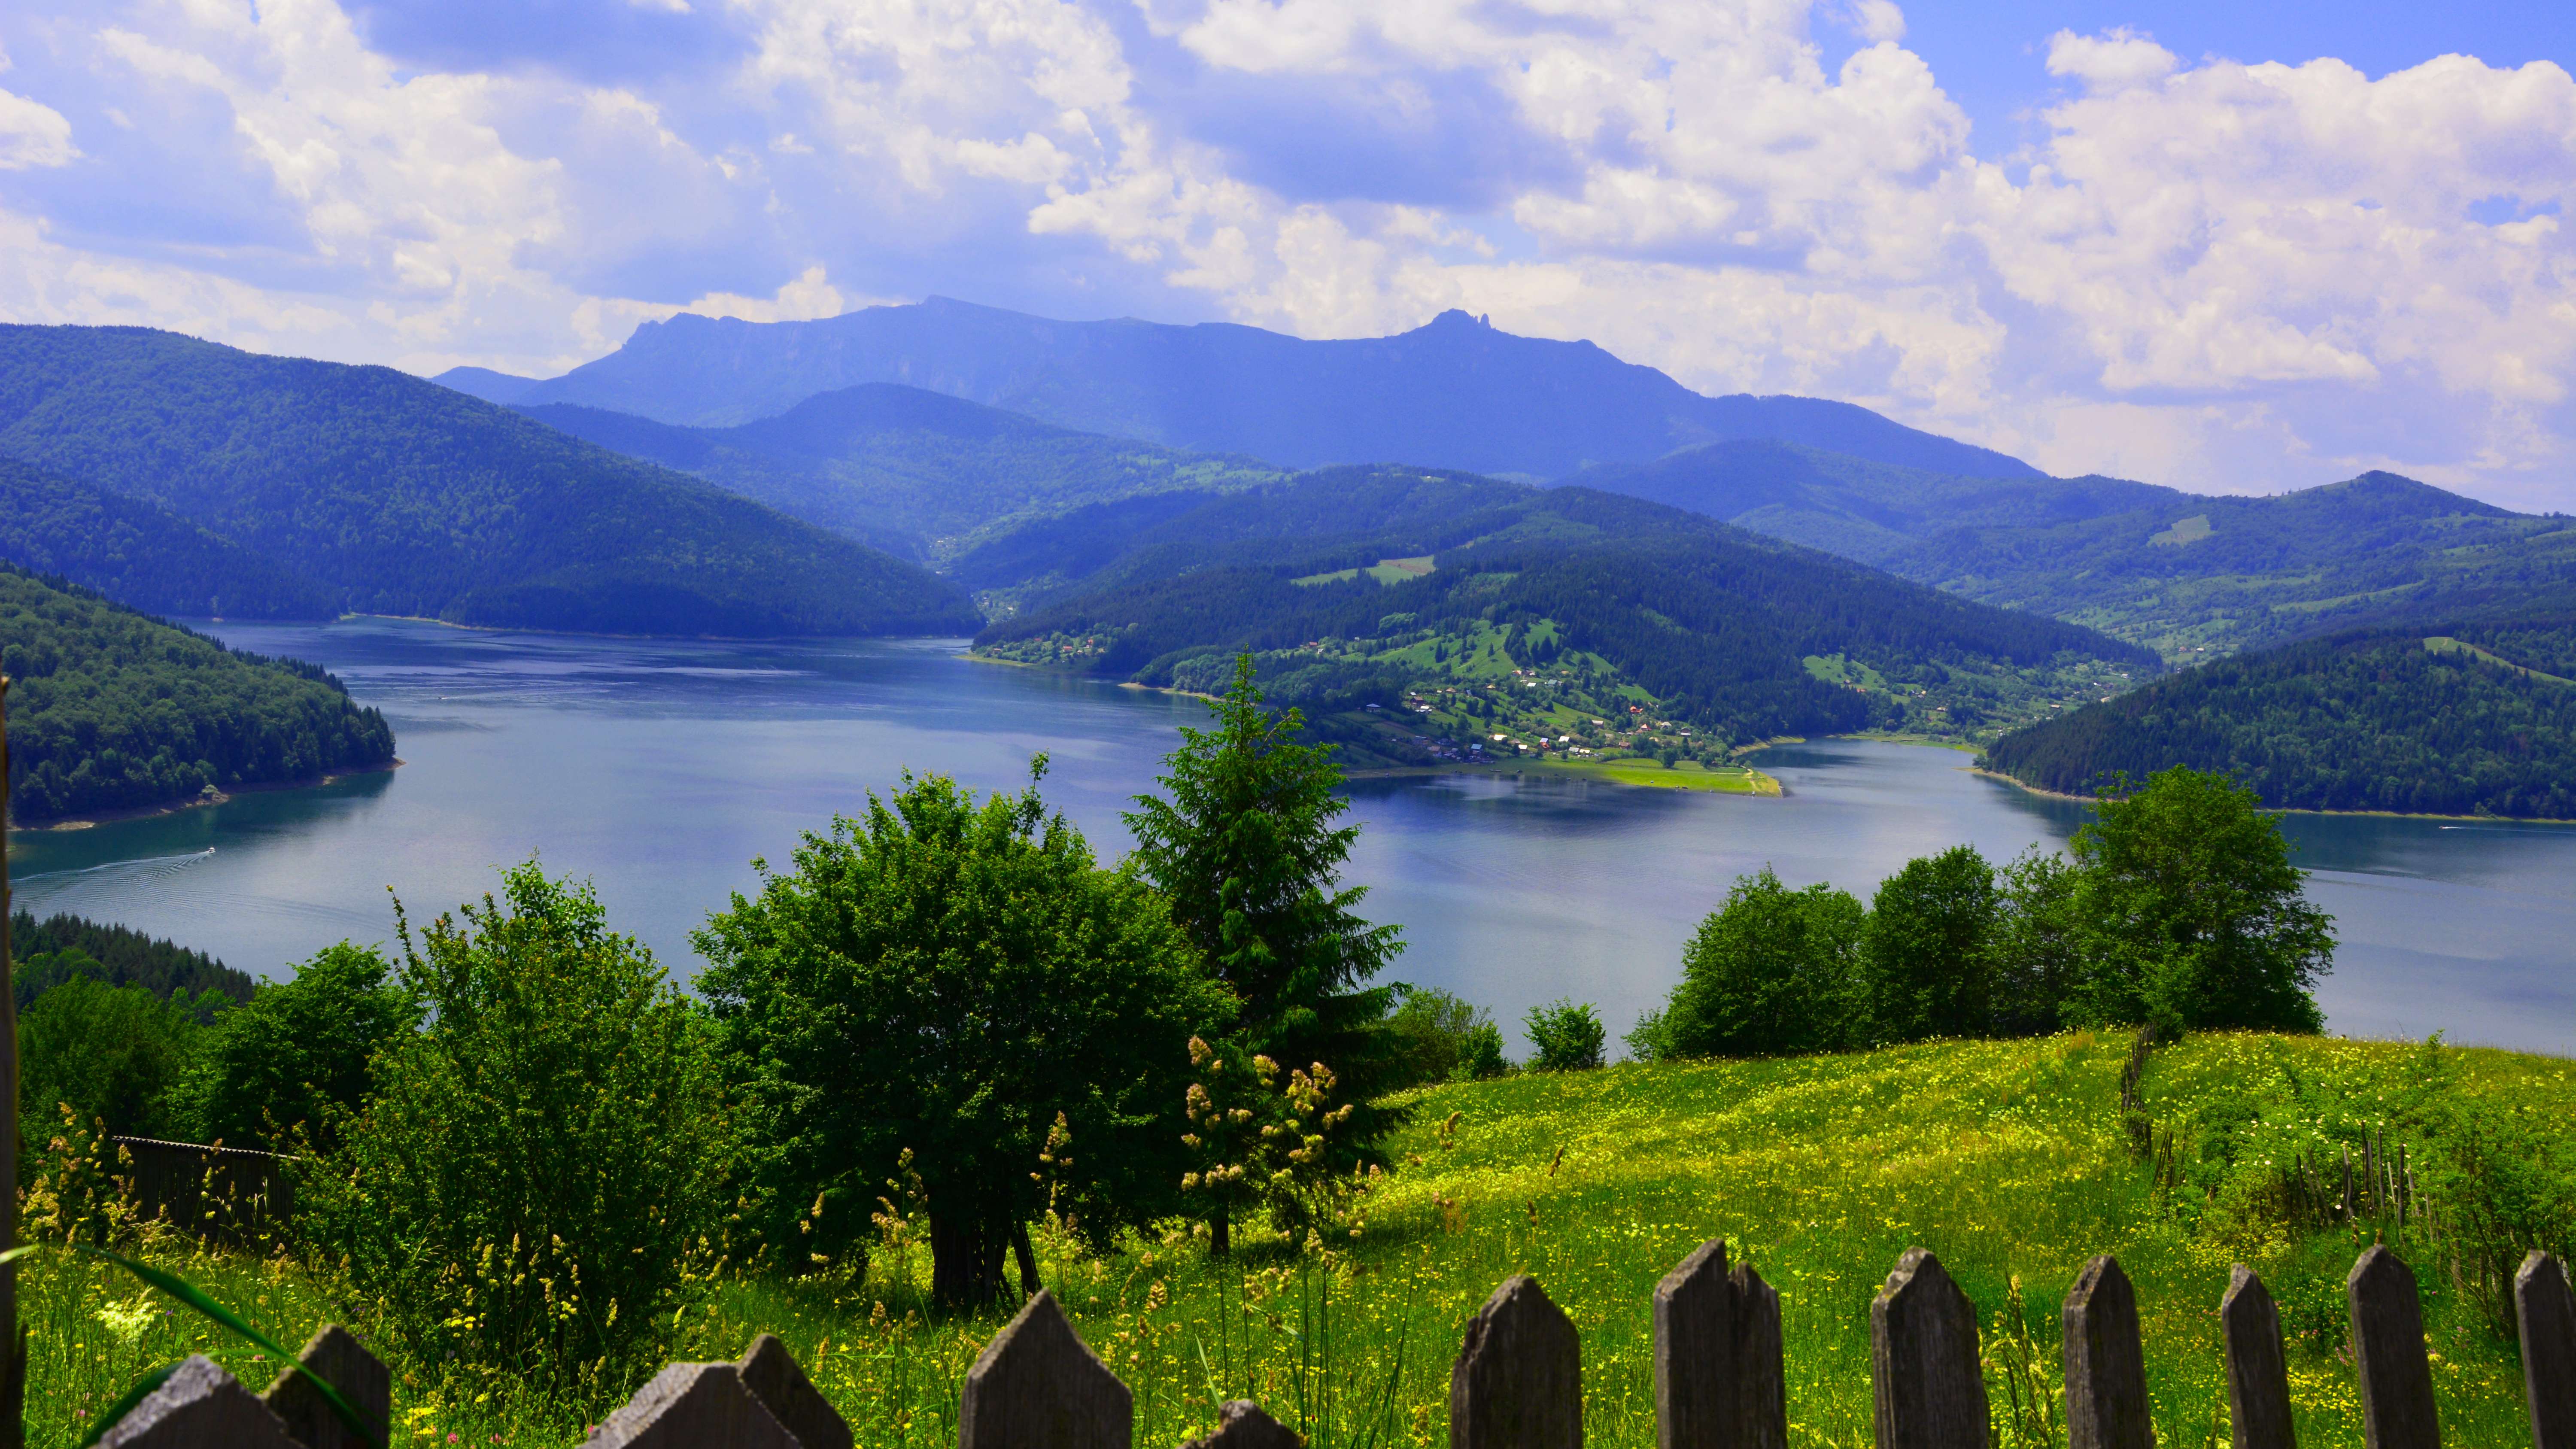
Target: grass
pixel 2006 1158
pixel 1684 775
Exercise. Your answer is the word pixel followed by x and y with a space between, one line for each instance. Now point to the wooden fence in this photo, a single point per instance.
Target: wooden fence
pixel 1518 1381
pixel 225 1194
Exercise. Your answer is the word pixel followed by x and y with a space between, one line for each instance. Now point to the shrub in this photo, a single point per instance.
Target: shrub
pixel 520 1196
pixel 1568 1036
pixel 1480 1054
pixel 1436 1028
pixel 299 1048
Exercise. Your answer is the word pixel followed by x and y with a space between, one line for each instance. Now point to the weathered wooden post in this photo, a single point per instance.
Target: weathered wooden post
pixel 199 1407
pixel 778 1381
pixel 2258 1375
pixel 693 1406
pixel 1695 1388
pixel 2106 1365
pixel 1518 1382
pixel 1037 1385
pixel 13 1342
pixel 1761 1382
pixel 2545 1310
pixel 1923 1360
pixel 344 1364
pixel 1240 1424
pixel 2395 1377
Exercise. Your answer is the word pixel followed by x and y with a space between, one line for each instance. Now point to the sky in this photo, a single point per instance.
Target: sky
pixel 2227 247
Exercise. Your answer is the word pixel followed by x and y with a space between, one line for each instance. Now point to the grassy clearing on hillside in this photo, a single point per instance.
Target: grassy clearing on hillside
pixel 2006 1158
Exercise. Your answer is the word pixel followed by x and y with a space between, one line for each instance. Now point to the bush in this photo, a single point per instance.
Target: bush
pixel 1437 1028
pixel 1568 1036
pixel 298 1049
pixel 517 1203
pixel 1480 1054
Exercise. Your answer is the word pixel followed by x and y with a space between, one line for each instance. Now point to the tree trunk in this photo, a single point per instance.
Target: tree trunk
pixel 965 1260
pixel 1220 1236
pixel 1028 1260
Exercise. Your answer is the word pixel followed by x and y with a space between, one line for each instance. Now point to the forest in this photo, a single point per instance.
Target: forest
pixel 403 497
pixel 142 554
pixel 2474 717
pixel 112 710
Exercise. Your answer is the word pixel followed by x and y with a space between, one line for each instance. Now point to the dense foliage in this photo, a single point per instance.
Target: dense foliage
pixel 111 710
pixel 143 555
pixel 2179 907
pixel 116 1056
pixel 951 987
pixel 404 497
pixel 47 953
pixel 516 1204
pixel 2458 718
pixel 281 1070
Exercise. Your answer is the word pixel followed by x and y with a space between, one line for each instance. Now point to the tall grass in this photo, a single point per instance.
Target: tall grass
pixel 2009 1159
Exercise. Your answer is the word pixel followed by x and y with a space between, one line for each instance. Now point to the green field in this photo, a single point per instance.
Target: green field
pixel 2007 1158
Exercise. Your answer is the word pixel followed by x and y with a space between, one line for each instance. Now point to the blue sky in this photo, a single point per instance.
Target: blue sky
pixel 2227 247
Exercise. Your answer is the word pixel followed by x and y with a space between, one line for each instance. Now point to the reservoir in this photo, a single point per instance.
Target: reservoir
pixel 660 769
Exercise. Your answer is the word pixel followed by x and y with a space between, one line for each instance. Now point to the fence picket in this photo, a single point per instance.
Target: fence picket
pixel 2545 1310
pixel 2106 1363
pixel 1761 1381
pixel 1038 1384
pixel 2258 1374
pixel 345 1364
pixel 1923 1360
pixel 1240 1424
pixel 1518 1382
pixel 778 1381
pixel 2395 1377
pixel 693 1406
pixel 199 1407
pixel 1695 1360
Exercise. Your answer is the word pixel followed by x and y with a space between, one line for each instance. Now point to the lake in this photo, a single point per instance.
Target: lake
pixel 661 768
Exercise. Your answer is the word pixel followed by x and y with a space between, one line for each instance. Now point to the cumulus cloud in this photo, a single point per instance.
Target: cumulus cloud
pixel 2214 274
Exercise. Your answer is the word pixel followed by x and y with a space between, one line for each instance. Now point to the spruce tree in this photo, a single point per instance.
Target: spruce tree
pixel 1246 851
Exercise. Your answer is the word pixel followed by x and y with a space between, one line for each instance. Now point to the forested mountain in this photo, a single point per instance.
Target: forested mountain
pixel 142 554
pixel 1859 509
pixel 1454 393
pixel 2204 575
pixel 493 387
pixel 111 710
pixel 916 473
pixel 1431 578
pixel 2465 717
pixel 404 497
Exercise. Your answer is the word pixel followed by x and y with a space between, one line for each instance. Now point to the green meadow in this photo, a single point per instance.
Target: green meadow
pixel 2010 1159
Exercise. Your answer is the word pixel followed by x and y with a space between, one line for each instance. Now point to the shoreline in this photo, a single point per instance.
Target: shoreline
pixel 1759 785
pixel 200 802
pixel 2030 789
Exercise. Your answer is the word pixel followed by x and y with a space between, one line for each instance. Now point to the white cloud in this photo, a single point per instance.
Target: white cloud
pixel 2112 61
pixel 32 134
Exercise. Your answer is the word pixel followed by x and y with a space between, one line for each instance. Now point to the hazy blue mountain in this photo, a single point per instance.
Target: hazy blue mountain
pixel 143 555
pixel 493 387
pixel 405 497
pixel 2201 575
pixel 917 473
pixel 1852 506
pixel 1454 393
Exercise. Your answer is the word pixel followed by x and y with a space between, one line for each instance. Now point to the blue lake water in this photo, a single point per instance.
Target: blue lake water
pixel 661 768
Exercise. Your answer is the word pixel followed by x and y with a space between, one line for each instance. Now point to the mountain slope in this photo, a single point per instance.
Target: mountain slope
pixel 907 470
pixel 111 710
pixel 1557 612
pixel 493 387
pixel 2200 575
pixel 1851 506
pixel 142 554
pixel 2465 717
pixel 411 498
pixel 1454 393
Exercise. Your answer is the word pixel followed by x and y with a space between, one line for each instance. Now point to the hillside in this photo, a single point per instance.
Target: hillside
pixel 916 473
pixel 47 953
pixel 111 710
pixel 1454 393
pixel 2208 575
pixel 1862 510
pixel 142 554
pixel 404 497
pixel 2458 718
pixel 1447 616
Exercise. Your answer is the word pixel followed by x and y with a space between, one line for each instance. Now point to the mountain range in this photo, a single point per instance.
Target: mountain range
pixel 1455 393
